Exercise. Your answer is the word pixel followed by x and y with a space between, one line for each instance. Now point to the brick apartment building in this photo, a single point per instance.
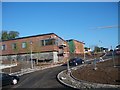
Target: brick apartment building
pixel 49 47
pixel 76 46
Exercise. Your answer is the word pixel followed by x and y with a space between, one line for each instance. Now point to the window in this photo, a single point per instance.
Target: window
pixel 24 45
pixel 42 43
pixel 56 42
pixel 3 47
pixel 14 46
pixel 47 42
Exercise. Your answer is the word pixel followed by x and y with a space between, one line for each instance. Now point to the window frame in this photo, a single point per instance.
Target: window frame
pixel 47 42
pixel 24 45
pixel 14 46
pixel 3 47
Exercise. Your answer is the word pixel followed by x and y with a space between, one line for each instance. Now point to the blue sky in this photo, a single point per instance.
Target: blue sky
pixel 90 22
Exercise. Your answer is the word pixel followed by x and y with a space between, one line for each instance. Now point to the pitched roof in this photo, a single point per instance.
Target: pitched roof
pixel 33 36
pixel 74 40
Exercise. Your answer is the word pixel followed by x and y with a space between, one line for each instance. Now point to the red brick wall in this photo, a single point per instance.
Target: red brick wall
pixel 35 45
pixel 79 47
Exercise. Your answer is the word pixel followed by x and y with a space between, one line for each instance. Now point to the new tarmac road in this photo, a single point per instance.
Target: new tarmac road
pixel 46 78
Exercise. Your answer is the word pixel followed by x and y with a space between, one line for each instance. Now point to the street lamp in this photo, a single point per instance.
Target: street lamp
pixel 95 57
pixel 68 66
pixel 95 68
pixel 113 58
pixel 31 54
pixel 100 47
pixel 84 54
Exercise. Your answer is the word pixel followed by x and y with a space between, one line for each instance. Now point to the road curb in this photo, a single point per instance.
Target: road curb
pixel 58 77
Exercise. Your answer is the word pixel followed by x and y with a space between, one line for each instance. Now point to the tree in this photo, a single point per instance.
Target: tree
pixel 13 34
pixel 97 49
pixel 7 35
pixel 4 35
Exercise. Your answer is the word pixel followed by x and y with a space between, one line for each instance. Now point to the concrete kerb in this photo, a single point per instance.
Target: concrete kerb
pixel 72 79
pixel 85 83
pixel 58 77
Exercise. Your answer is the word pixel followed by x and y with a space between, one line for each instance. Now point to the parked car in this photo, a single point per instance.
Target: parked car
pixel 76 61
pixel 7 79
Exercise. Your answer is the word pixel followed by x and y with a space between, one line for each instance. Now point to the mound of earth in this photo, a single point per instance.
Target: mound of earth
pixel 106 73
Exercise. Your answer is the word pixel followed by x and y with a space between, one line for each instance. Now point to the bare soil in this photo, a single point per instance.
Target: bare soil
pixel 20 65
pixel 23 65
pixel 106 73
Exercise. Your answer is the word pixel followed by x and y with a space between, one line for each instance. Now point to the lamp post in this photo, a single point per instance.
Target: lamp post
pixel 31 54
pixel 100 45
pixel 95 57
pixel 11 65
pixel 113 57
pixel 68 66
pixel 84 54
pixel 95 68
